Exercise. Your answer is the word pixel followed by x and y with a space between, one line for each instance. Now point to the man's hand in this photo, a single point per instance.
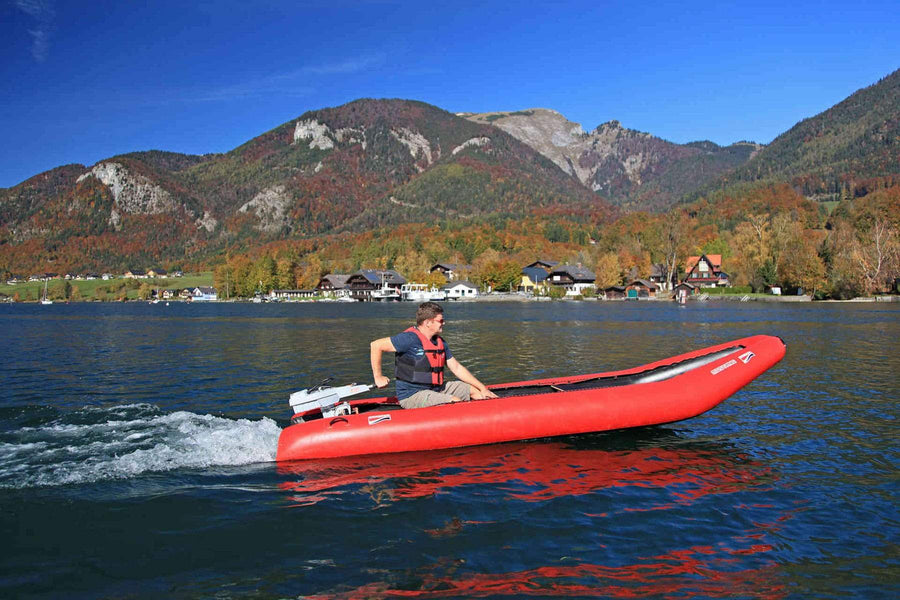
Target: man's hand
pixel 376 349
pixel 482 393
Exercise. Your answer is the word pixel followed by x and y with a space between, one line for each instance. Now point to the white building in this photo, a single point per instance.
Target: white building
pixel 204 294
pixel 460 289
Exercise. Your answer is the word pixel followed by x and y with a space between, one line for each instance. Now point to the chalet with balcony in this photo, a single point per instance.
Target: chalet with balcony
pixel 574 278
pixel 706 271
pixel 361 284
pixel 333 284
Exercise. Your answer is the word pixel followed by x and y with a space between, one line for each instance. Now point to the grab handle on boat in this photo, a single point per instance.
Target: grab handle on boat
pixel 337 420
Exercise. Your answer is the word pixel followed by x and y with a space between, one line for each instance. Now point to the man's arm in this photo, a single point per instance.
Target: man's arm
pixel 463 374
pixel 376 349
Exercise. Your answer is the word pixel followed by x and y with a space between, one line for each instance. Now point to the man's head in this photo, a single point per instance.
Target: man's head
pixel 429 311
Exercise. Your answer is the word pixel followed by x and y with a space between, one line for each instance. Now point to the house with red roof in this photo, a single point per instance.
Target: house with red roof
pixel 706 271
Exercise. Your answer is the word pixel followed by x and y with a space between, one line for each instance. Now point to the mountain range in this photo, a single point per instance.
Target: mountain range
pixel 377 163
pixel 634 170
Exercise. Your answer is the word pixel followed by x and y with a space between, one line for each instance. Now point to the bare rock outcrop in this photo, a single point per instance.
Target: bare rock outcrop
pixel 271 207
pixel 132 193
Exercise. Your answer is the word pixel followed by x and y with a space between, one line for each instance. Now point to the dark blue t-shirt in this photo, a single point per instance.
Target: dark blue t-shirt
pixel 409 342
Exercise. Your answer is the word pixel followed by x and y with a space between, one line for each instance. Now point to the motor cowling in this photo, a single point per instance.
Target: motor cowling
pixel 328 400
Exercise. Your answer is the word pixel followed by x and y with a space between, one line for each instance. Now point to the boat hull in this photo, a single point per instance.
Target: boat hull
pixel 665 391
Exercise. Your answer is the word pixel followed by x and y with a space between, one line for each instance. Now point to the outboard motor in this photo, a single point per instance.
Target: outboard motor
pixel 326 399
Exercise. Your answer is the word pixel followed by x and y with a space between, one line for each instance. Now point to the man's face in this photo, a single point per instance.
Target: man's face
pixel 435 325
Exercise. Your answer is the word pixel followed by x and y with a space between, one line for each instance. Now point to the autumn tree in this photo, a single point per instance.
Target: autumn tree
pixel 607 270
pixel 496 272
pixel 875 253
pixel 285 277
pixel 750 243
pixel 674 244
pixel 804 269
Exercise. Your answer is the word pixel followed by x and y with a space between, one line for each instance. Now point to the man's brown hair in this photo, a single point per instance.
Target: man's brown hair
pixel 428 310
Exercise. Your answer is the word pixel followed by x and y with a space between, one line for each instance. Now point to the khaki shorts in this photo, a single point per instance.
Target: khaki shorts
pixel 432 398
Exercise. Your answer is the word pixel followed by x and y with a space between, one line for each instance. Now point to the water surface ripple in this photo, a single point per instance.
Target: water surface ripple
pixel 137 445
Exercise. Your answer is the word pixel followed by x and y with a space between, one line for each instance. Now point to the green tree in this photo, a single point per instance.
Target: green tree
pixel 556 232
pixel 264 273
pixel 556 292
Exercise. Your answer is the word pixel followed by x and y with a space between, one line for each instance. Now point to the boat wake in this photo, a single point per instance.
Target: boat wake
pixel 120 442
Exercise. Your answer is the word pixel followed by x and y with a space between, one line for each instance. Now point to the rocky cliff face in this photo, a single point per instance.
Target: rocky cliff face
pixel 132 193
pixel 631 168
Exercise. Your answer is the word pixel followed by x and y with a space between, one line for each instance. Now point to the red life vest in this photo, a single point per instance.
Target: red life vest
pixel 427 369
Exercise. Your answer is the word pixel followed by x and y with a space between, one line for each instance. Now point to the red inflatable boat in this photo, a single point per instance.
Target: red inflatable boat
pixel 665 391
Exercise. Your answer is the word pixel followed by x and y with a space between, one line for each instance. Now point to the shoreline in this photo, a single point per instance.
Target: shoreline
pixel 508 298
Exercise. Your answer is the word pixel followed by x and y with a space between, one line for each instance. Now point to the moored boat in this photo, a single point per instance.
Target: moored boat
pixel 420 292
pixel 665 391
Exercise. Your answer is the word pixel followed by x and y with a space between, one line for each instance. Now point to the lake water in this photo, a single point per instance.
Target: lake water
pixel 137 445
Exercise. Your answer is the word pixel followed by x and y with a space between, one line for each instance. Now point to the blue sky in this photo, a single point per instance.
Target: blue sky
pixel 83 81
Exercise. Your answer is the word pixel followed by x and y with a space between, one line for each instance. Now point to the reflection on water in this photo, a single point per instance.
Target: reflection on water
pixel 537 471
pixel 605 482
pixel 703 572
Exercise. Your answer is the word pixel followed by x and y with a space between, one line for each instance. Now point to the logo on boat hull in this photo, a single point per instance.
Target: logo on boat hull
pixel 746 356
pixel 723 366
pixel 376 419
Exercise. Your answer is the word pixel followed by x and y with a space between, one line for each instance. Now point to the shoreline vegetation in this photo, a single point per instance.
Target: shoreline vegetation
pixel 117 289
pixel 134 290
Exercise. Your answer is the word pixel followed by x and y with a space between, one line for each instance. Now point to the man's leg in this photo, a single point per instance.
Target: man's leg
pixel 461 390
pixel 451 390
pixel 426 398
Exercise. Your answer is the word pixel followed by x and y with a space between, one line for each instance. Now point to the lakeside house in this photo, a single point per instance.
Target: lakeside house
pixel 534 279
pixel 334 285
pixel 458 290
pixel 575 279
pixel 362 283
pixel 204 294
pixel 705 271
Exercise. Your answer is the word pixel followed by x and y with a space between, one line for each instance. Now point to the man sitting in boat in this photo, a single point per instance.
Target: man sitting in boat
pixel 421 355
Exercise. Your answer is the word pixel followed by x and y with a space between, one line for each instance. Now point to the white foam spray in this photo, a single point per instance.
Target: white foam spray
pixel 126 441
